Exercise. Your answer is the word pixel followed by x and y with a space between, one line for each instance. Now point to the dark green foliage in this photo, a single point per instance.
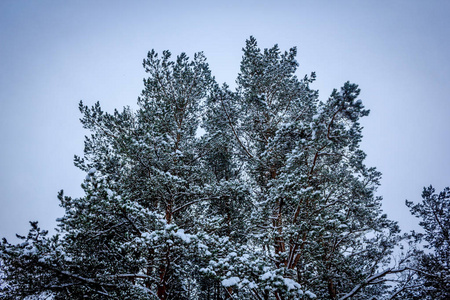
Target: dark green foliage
pixel 273 201
pixel 432 266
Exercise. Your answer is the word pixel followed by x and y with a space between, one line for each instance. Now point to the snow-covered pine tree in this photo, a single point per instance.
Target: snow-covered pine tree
pixel 316 226
pixel 129 237
pixel 272 202
pixel 431 266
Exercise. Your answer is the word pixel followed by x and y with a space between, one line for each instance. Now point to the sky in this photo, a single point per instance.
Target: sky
pixel 55 53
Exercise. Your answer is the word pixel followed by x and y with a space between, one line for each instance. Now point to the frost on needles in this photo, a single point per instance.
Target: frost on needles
pixel 273 201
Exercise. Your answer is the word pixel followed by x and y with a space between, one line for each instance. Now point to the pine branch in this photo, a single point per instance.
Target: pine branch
pixel 371 280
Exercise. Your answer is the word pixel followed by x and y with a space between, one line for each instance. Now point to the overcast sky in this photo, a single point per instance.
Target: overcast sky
pixel 55 53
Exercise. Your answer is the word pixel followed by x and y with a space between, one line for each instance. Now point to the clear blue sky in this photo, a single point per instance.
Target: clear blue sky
pixel 55 53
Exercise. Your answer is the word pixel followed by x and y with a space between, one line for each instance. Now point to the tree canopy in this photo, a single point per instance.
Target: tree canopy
pixel 431 264
pixel 272 201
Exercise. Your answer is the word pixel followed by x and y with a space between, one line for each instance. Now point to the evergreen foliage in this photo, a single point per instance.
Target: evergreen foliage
pixel 432 266
pixel 273 201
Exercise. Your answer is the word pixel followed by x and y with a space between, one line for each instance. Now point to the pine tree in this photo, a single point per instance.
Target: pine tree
pixel 432 266
pixel 313 198
pixel 272 202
